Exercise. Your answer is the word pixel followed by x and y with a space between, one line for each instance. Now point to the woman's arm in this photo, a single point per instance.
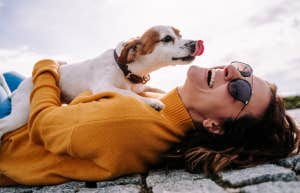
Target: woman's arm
pixel 44 100
pixel 103 125
pixel 51 124
pixel 69 129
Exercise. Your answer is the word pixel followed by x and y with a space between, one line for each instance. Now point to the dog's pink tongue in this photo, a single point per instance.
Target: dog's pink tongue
pixel 199 48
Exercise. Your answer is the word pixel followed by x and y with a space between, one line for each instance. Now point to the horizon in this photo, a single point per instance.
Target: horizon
pixel 262 33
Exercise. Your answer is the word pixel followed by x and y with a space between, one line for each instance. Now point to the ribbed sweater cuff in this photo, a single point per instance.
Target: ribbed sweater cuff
pixel 176 111
pixel 46 65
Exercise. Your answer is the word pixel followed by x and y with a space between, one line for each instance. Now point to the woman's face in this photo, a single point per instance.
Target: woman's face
pixel 212 104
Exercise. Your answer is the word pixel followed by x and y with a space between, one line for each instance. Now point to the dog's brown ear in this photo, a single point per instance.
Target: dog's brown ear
pixel 130 51
pixel 177 32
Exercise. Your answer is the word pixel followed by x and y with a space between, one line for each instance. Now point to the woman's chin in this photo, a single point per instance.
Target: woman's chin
pixel 197 78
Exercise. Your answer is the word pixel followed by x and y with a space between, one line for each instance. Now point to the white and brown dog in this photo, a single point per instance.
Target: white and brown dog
pixel 124 70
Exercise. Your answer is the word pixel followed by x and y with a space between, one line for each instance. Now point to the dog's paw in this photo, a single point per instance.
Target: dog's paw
pixel 155 104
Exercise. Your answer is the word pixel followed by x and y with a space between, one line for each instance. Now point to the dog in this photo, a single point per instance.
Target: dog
pixel 124 70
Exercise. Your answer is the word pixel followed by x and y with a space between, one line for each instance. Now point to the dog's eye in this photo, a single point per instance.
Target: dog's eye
pixel 167 39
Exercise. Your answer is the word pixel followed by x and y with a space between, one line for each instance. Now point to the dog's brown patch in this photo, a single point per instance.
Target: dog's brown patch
pixel 177 32
pixel 148 40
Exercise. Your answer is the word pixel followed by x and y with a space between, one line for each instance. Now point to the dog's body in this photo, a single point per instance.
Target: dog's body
pixel 159 46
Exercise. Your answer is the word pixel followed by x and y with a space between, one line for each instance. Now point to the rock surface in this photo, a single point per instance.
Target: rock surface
pixel 273 187
pixel 112 189
pixel 276 178
pixel 258 174
pixel 181 182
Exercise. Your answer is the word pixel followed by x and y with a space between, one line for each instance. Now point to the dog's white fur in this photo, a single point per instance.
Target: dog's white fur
pixel 103 74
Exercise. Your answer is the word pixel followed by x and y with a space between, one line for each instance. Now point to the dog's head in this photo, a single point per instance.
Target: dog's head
pixel 157 47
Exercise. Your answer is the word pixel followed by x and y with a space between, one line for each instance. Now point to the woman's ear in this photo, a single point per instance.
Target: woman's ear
pixel 213 126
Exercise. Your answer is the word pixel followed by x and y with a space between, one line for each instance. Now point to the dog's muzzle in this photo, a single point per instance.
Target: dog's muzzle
pixel 191 46
pixel 196 48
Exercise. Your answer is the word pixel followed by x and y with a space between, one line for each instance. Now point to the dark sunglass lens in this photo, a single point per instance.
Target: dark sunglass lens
pixel 240 90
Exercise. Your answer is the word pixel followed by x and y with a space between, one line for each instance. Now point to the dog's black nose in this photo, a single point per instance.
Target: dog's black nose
pixel 191 45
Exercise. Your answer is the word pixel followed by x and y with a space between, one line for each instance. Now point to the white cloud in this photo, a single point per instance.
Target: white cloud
pixel 21 60
pixel 277 11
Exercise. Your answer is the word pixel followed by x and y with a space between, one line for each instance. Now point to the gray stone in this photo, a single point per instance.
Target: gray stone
pixel 297 167
pixel 273 187
pixel 134 179
pixel 258 174
pixel 181 182
pixel 290 161
pixel 65 188
pixel 113 189
pixel 69 187
pixel 161 175
pixel 18 189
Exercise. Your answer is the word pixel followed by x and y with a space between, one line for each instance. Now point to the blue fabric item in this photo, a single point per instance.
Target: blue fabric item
pixel 5 103
pixel 13 80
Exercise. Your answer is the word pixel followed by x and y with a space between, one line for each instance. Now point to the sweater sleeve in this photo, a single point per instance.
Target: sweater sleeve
pixel 51 124
pixel 44 99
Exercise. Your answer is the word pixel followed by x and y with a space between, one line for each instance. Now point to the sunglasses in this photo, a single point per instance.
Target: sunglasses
pixel 241 89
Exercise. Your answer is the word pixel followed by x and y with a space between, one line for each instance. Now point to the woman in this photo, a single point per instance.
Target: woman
pixel 106 135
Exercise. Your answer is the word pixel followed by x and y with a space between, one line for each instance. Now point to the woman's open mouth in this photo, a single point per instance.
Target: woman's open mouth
pixel 211 78
pixel 185 58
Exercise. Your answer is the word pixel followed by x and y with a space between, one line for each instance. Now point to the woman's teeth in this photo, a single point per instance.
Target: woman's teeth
pixel 212 78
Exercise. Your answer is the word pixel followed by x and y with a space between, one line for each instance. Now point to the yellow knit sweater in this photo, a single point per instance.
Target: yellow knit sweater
pixel 96 137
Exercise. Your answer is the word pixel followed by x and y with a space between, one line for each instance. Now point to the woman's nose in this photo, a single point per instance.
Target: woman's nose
pixel 231 73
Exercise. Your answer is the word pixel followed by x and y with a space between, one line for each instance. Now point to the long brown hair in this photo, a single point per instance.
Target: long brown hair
pixel 247 141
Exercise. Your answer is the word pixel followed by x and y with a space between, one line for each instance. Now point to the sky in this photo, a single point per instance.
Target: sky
pixel 263 33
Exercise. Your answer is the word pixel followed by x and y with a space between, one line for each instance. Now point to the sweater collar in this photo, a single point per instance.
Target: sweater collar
pixel 176 111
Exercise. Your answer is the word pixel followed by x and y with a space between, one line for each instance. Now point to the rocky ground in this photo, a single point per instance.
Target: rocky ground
pixel 279 177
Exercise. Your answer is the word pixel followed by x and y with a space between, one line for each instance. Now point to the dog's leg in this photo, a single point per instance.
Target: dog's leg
pixel 154 103
pixel 19 109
